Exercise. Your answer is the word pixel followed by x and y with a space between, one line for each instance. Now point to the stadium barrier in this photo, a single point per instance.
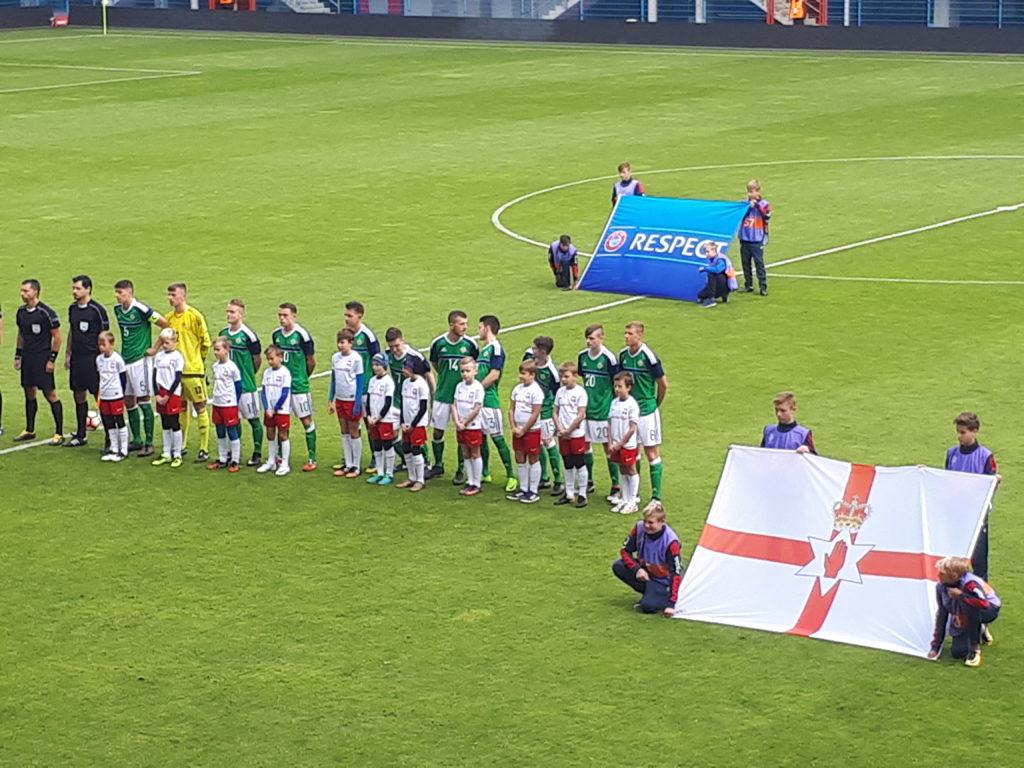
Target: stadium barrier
pixel 731 35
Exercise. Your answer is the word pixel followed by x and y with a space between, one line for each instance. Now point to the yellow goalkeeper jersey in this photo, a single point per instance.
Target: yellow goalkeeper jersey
pixel 193 339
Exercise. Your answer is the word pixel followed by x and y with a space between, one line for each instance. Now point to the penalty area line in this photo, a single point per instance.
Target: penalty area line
pixel 106 81
pixel 907 280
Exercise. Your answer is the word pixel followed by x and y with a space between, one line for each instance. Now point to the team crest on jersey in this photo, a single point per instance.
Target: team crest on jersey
pixel 615 240
pixel 36 328
pixel 83 326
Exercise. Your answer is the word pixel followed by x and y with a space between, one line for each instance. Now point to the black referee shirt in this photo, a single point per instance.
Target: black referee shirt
pixel 35 325
pixel 86 323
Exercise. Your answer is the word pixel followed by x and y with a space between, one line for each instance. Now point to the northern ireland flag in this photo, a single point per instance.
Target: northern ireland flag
pixel 821 548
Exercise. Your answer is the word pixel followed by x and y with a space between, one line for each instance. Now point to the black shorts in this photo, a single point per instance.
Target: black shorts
pixel 85 377
pixel 33 372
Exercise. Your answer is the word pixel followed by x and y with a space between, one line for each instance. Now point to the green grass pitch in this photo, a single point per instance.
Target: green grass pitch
pixel 153 618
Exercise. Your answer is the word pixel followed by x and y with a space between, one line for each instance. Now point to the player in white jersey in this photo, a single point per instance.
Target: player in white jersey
pixel 570 415
pixel 469 427
pixel 415 409
pixel 113 374
pixel 276 396
pixel 623 425
pixel 382 419
pixel 168 367
pixel 227 392
pixel 524 415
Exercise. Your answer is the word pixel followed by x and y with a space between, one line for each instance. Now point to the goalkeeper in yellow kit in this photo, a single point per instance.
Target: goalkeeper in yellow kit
pixel 194 344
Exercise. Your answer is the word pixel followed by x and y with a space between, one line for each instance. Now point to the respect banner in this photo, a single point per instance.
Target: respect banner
pixel 654 246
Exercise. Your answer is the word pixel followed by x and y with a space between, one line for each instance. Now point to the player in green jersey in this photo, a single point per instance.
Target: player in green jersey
pixel 135 320
pixel 549 379
pixel 490 365
pixel 446 352
pixel 247 354
pixel 366 346
pixel 597 366
pixel 398 353
pixel 649 388
pixel 300 359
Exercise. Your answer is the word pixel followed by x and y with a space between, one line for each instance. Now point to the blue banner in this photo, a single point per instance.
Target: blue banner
pixel 654 246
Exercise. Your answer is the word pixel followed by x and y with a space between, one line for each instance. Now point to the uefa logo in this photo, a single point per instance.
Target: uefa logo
pixel 615 240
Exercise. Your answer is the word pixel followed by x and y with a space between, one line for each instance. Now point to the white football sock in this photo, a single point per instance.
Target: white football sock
pixel 581 481
pixel 222 450
pixel 570 482
pixel 535 477
pixel 286 451
pixel 346 442
pixel 357 452
pixel 271 451
pixel 236 450
pixel 389 462
pixel 179 438
pixel 168 445
pixel 123 440
pixel 378 462
pixel 523 471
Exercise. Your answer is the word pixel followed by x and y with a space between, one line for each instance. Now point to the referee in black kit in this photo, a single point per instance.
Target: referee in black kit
pixel 87 318
pixel 35 356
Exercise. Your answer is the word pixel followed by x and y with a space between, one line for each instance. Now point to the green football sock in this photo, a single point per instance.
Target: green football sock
pixel 461 463
pixel 134 424
pixel 588 460
pixel 657 469
pixel 438 453
pixel 505 453
pixel 311 442
pixel 613 473
pixel 556 464
pixel 485 454
pixel 257 436
pixel 399 450
pixel 147 421
pixel 545 474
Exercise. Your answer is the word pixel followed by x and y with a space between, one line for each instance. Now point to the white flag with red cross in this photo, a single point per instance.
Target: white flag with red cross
pixel 821 548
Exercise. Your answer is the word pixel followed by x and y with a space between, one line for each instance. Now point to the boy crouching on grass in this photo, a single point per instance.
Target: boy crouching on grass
pixel 382 419
pixel 651 562
pixel 570 413
pixel 469 402
pixel 966 605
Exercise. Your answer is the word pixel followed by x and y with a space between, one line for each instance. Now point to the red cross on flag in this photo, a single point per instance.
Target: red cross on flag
pixel 821 548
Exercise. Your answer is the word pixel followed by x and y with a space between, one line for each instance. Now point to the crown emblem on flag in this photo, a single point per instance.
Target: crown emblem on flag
pixel 850 514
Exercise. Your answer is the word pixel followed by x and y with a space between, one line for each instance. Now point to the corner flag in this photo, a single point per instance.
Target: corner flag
pixel 655 245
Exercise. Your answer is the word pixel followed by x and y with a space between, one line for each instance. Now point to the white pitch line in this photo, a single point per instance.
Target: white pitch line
pixel 24 446
pixel 500 211
pixel 86 83
pixel 100 69
pixel 903 233
pixel 909 280
pixel 49 39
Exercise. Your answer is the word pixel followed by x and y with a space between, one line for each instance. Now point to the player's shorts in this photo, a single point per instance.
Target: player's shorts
pixel 648 429
pixel 302 404
pixel 112 407
pixel 597 431
pixel 624 456
pixel 249 406
pixel 225 415
pixel 346 410
pixel 441 415
pixel 277 421
pixel 383 431
pixel 193 388
pixel 33 372
pixel 415 436
pixel 471 437
pixel 139 378
pixel 85 377
pixel 573 446
pixel 547 430
pixel 493 424
pixel 173 406
pixel 528 443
